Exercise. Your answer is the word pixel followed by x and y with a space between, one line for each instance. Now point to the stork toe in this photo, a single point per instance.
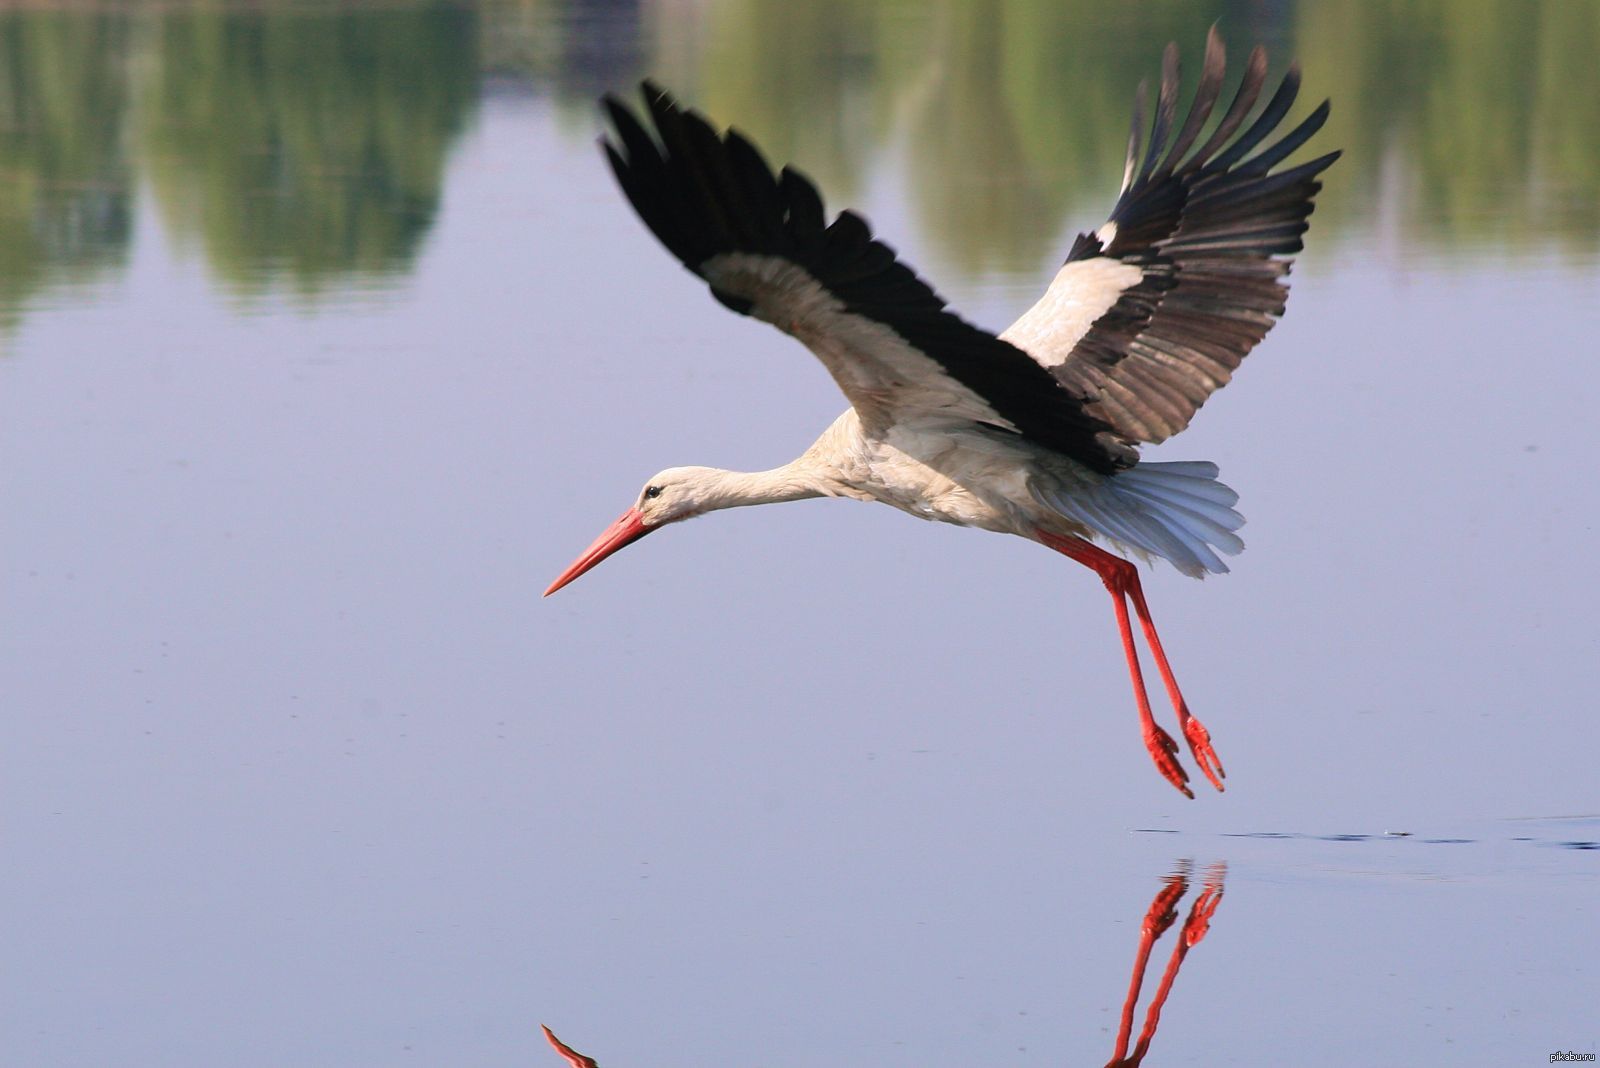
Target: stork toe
pixel 1164 751
pixel 1204 755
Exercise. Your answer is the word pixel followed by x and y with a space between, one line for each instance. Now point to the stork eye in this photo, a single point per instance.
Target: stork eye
pixel 652 492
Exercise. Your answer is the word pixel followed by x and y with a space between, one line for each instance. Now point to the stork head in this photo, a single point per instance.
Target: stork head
pixel 674 494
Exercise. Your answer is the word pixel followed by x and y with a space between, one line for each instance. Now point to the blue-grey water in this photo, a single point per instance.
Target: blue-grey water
pixel 326 341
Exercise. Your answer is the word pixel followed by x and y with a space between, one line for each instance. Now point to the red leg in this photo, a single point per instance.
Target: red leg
pixel 1113 571
pixel 1193 730
pixel 1122 580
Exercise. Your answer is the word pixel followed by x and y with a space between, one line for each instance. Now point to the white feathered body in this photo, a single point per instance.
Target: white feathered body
pixel 995 481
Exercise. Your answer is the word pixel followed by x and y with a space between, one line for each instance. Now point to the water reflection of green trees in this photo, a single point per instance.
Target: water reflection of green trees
pixel 1012 115
pixel 297 145
pixel 64 177
pixel 1482 119
pixel 1474 124
pixel 305 146
pixel 304 143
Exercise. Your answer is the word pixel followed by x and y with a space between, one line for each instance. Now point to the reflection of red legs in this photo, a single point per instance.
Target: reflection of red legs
pixel 1163 910
pixel 1122 580
pixel 1160 916
pixel 573 1057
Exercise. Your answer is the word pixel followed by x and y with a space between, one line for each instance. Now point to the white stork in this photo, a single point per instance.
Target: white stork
pixel 1034 432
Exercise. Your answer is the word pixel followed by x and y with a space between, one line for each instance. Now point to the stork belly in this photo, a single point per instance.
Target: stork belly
pixel 954 505
pixel 970 487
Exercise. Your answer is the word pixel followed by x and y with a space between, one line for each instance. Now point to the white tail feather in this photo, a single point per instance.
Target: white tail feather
pixel 1177 511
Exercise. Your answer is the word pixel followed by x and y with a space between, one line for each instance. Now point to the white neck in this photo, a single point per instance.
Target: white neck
pixel 795 481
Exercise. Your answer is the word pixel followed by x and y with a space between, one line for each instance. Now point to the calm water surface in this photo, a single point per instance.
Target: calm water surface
pixel 325 342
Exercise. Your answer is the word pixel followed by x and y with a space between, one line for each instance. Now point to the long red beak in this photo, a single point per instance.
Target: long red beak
pixel 625 531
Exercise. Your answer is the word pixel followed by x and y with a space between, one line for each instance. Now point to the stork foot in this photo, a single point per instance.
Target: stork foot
pixel 1200 745
pixel 1199 922
pixel 1164 751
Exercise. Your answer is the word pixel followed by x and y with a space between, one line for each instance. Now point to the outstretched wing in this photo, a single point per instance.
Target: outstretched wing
pixel 762 243
pixel 1152 313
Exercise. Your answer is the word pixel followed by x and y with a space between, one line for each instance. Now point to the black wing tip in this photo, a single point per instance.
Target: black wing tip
pixel 616 105
pixel 792 177
pixel 1323 162
pixel 1085 246
pixel 661 104
pixel 616 110
pixel 1228 144
pixel 624 121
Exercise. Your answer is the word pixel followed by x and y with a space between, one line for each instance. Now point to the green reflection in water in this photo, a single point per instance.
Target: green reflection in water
pixel 303 144
pixel 822 82
pixel 299 146
pixel 64 175
pixel 1012 115
pixel 1475 125
pixel 1468 126
pixel 1026 123
pixel 305 147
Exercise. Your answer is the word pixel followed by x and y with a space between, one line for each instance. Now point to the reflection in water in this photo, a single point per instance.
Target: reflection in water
pixel 572 1056
pixel 1014 157
pixel 573 49
pixel 1474 122
pixel 291 145
pixel 64 172
pixel 306 145
pixel 1159 917
pixel 1465 124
